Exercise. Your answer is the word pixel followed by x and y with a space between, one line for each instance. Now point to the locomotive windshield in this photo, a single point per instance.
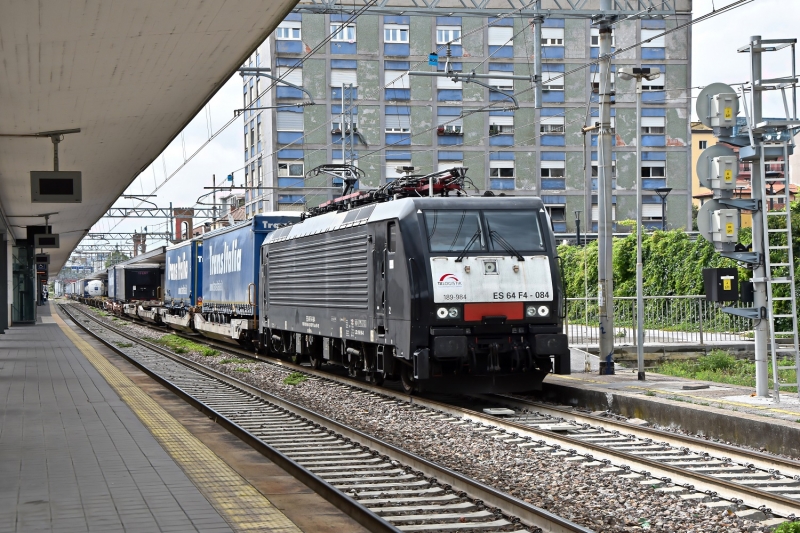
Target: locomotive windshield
pixel 452 230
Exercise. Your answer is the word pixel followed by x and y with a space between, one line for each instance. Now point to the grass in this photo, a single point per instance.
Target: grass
pixel 241 369
pixel 234 360
pixel 124 344
pixel 295 378
pixel 180 345
pixel 720 366
pixel 788 527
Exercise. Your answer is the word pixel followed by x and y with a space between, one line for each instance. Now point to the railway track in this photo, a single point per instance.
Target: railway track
pixel 751 484
pixel 382 486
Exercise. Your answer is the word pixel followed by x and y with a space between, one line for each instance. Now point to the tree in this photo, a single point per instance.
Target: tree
pixel 116 257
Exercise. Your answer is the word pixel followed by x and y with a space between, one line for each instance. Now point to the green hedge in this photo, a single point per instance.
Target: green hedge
pixel 672 265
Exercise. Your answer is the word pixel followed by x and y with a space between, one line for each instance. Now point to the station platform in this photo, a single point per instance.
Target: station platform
pixel 729 413
pixel 90 443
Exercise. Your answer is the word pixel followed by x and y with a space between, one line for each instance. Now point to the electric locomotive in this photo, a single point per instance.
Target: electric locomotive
pixel 449 293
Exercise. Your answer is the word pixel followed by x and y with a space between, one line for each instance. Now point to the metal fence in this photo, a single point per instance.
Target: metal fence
pixel 667 319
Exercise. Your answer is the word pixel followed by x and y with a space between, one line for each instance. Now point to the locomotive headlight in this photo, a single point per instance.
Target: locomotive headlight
pixel 452 312
pixel 442 312
pixel 530 311
pixel 544 310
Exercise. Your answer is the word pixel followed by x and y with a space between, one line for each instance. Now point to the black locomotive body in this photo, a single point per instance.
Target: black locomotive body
pixel 445 294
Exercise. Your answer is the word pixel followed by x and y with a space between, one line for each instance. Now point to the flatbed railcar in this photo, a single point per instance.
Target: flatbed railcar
pixel 444 294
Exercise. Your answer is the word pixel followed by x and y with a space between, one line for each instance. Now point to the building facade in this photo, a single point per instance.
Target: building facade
pixel 433 123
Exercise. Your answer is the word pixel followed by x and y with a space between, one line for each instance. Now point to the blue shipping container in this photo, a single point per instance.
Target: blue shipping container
pixel 182 273
pixel 230 259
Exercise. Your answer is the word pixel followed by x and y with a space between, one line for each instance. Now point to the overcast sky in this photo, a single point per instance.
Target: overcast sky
pixel 714 44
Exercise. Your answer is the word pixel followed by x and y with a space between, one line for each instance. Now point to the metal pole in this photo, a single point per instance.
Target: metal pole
pixel 759 272
pixel 214 211
pixel 577 228
pixel 639 273
pixel 605 289
pixel 537 56
pixel 664 214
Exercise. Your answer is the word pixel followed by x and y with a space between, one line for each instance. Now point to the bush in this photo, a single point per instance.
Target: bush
pixel 788 527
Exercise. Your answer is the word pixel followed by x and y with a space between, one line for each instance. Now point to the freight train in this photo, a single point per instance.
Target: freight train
pixel 415 282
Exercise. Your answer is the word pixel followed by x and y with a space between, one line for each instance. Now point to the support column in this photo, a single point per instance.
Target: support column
pixel 605 270
pixel 5 276
pixel 761 333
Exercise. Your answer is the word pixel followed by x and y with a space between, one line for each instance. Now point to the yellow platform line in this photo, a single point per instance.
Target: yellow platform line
pixel 237 501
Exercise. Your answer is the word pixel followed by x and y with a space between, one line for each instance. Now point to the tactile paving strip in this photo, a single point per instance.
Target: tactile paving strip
pixel 239 503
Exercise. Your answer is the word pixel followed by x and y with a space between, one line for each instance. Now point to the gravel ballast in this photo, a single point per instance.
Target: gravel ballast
pixel 587 495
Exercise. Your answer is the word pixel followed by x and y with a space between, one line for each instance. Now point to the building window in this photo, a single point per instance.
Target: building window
pixel 396 85
pixel 552 125
pixel 501 84
pixel 398 123
pixel 343 34
pixel 653 85
pixel 450 125
pixel 293 75
pixel 702 145
pixel 653 169
pixel 552 174
pixel 552 36
pixel 448 165
pixel 288 31
pixel 653 125
pixel 649 39
pixel 554 85
pixel 595 38
pixel 501 175
pixel 448 34
pixel 596 81
pixel 447 83
pixel 344 77
pixel 501 125
pixel 596 212
pixel 395 33
pixel 391 170
pixel 290 174
pixel 500 35
pixel 596 170
pixel 558 215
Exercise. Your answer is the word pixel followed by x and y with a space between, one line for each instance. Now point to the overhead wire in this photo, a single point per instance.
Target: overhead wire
pixel 734 5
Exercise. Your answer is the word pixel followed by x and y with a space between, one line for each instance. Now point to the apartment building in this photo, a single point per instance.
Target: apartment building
pixel 433 123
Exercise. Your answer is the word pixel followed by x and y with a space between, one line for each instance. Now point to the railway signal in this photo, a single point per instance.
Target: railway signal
pixel 766 144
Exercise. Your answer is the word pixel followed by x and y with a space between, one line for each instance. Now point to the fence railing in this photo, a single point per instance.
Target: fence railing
pixel 667 319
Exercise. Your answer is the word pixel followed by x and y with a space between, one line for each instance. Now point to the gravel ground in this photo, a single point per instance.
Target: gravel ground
pixel 584 494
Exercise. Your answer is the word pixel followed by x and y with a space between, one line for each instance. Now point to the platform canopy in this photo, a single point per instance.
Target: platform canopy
pixel 130 74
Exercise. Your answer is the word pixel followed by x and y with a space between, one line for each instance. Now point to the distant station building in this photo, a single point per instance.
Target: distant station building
pixel 430 122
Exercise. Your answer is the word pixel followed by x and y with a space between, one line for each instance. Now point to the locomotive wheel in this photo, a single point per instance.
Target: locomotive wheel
pixel 407 380
pixel 316 362
pixel 376 378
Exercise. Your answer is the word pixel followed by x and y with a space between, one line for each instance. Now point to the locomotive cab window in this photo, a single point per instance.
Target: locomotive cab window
pixel 452 231
pixel 520 229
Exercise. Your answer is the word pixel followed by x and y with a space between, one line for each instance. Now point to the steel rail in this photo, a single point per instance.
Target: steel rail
pixel 513 507
pixel 777 504
pixel 757 458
